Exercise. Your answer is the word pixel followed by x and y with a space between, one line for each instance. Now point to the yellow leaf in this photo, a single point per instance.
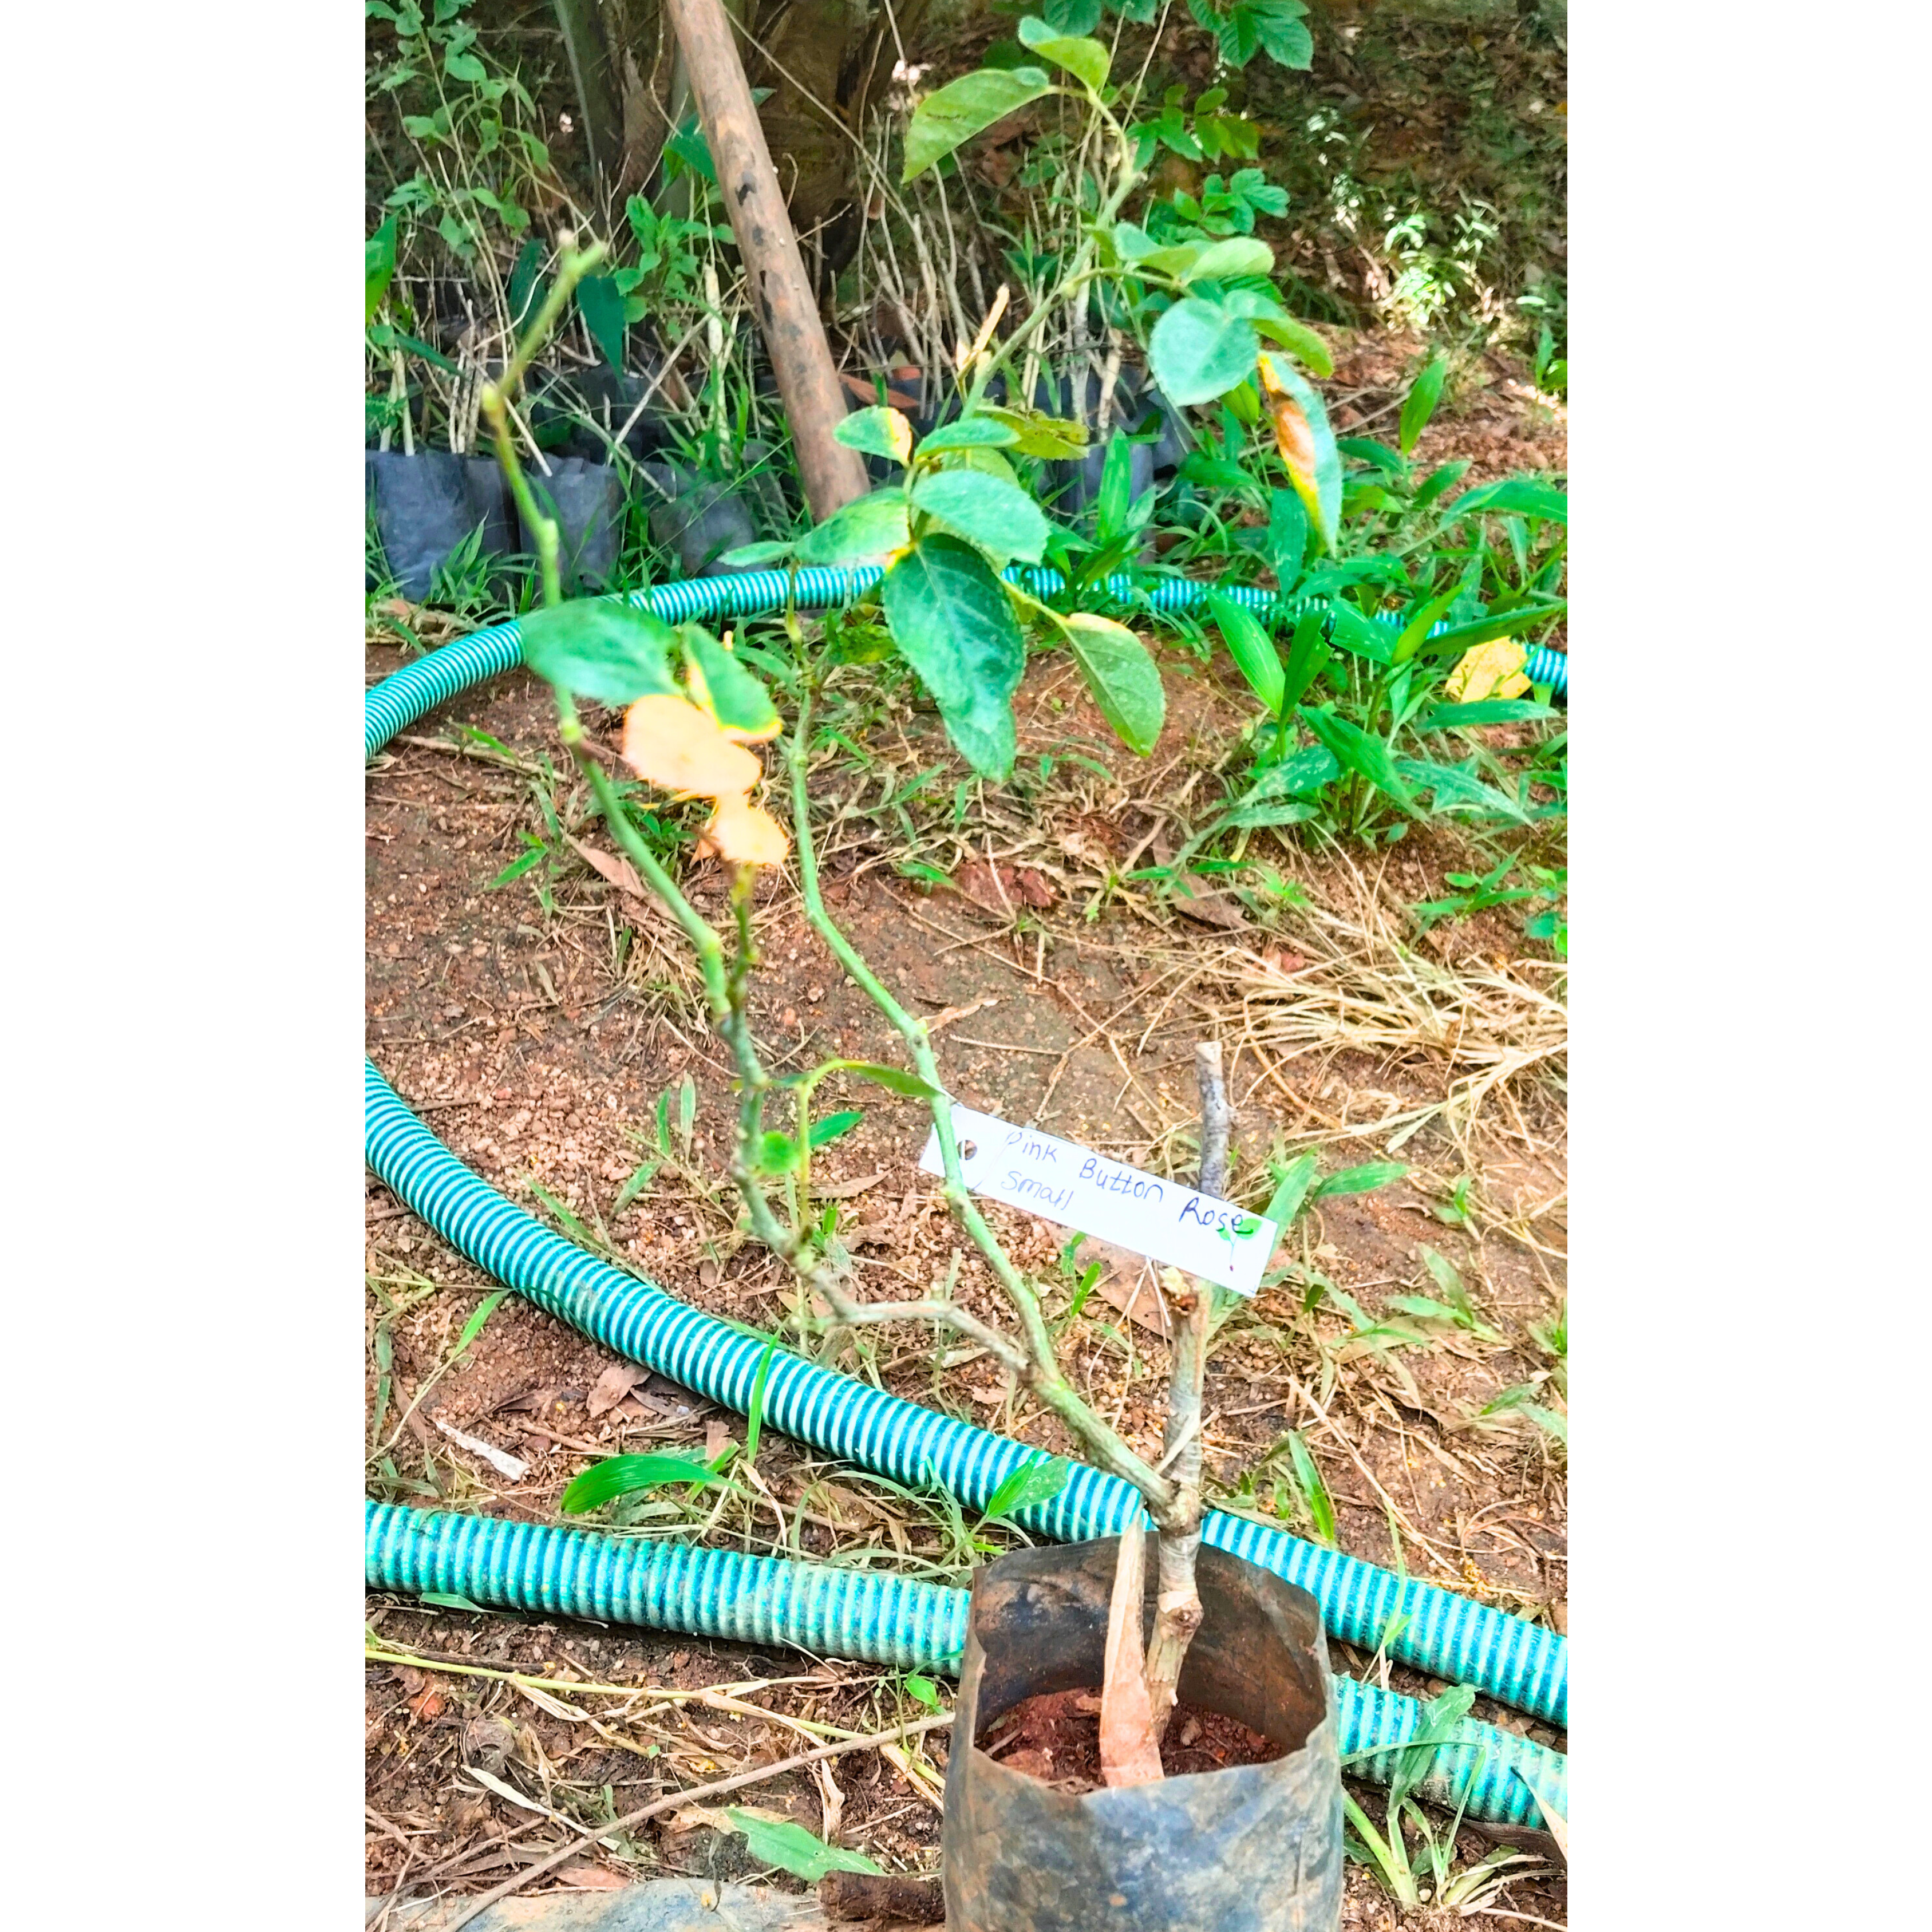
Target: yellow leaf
pixel 1494 670
pixel 745 833
pixel 674 744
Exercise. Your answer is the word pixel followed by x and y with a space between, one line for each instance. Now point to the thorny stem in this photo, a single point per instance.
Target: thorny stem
pixel 1036 1365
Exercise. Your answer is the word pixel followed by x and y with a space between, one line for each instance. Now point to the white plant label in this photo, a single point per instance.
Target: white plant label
pixel 1074 1187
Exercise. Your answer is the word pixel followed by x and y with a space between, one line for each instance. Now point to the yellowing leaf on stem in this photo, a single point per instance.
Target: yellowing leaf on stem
pixel 1306 442
pixel 745 833
pixel 1292 436
pixel 725 690
pixel 671 742
pixel 1494 670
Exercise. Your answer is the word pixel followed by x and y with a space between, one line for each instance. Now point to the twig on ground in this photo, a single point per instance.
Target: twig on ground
pixel 692 1795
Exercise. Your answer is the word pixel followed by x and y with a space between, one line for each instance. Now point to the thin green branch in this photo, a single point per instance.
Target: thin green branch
pixel 1038 1365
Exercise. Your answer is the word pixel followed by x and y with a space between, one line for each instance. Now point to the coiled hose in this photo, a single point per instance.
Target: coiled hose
pixel 1449 1637
pixel 872 1615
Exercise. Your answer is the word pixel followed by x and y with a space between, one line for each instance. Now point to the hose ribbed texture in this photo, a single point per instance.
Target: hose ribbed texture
pixel 872 1614
pixel 1521 1663
pixel 1518 1663
pixel 402 699
pixel 868 1615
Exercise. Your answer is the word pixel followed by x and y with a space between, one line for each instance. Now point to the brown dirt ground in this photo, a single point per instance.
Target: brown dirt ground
pixel 535 1044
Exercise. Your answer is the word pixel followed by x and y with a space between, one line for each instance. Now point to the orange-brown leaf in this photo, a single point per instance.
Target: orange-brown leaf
pixel 673 744
pixel 1292 436
pixel 745 834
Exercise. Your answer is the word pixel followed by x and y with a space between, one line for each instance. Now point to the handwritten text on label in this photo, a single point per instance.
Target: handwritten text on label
pixel 1074 1187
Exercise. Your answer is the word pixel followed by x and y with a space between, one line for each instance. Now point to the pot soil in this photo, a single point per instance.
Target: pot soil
pixel 1245 1833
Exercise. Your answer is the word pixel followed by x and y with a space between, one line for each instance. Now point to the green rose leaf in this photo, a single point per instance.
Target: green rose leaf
pixel 874 527
pixel 877 431
pixel 1087 58
pixel 973 432
pixel 1238 255
pixel 1000 516
pixel 1274 322
pixel 1035 434
pixel 1199 351
pixel 967 106
pixel 1124 679
pixel 1027 1486
pixel 738 701
pixel 610 653
pixel 895 1079
pixel 954 624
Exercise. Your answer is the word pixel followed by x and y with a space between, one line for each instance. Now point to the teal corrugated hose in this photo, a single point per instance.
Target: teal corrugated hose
pixel 1448 1635
pixel 495 649
pixel 1520 1662
pixel 872 1615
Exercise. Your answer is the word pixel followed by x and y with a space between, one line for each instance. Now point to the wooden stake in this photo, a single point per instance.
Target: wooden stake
pixel 781 298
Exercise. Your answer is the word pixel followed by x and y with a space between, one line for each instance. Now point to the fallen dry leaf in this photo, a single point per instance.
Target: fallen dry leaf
pixel 593 1878
pixel 612 866
pixel 612 1386
pixel 715 1439
pixel 513 1467
pixel 1198 901
pixel 1002 889
pixel 1127 1285
pixel 846 1190
pixel 949 1014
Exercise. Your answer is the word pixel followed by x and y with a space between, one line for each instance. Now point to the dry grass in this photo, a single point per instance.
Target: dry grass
pixel 1345 979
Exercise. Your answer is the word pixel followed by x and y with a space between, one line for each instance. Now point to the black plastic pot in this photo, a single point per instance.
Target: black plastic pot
pixel 560 400
pixel 422 512
pixel 1251 1848
pixel 700 520
pixel 428 503
pixel 587 501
